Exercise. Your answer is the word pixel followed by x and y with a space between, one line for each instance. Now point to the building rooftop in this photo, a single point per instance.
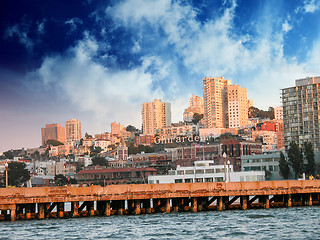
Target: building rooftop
pixel 111 170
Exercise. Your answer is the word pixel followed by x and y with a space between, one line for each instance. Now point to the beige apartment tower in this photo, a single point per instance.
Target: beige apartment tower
pixel 155 115
pixel 215 102
pixel 116 128
pixel 73 131
pixel 52 132
pixel 196 106
pixel 237 106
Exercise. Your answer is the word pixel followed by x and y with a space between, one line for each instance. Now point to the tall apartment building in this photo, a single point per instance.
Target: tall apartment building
pixel 225 105
pixel 73 131
pixel 215 102
pixel 155 115
pixel 250 103
pixel 278 113
pixel 237 106
pixel 52 132
pixel 196 106
pixel 301 112
pixel 116 128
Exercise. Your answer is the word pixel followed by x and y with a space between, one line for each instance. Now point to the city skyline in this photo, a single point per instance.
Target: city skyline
pixel 98 62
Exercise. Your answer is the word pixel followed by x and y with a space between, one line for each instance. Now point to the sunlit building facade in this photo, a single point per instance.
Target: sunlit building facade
pixel 237 106
pixel 301 112
pixel 196 106
pixel 155 115
pixel 215 102
pixel 73 131
pixel 225 105
pixel 52 132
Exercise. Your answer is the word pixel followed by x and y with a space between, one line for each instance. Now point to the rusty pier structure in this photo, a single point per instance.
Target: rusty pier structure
pixel 70 202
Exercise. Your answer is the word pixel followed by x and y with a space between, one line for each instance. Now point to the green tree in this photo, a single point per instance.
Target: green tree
pixel 197 118
pixel 131 128
pixel 133 150
pixel 267 173
pixel 309 156
pixel 295 159
pixel 71 156
pixel 98 160
pixel 149 149
pixel 284 166
pixel 54 142
pixel 86 136
pixel 254 112
pixel 112 146
pixel 60 180
pixel 95 151
pixel 17 173
pixel 8 154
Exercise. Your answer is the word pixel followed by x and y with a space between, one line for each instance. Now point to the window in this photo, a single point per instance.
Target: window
pixel 218 179
pixel 189 171
pixel 208 179
pixel 199 171
pixel 209 170
pixel 188 180
pixel 181 172
pixel 178 180
pixel 199 179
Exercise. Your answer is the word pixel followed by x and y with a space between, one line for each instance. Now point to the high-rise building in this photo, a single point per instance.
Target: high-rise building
pixel 237 106
pixel 301 112
pixel 116 128
pixel 73 131
pixel 155 115
pixel 196 106
pixel 215 102
pixel 250 103
pixel 278 113
pixel 52 132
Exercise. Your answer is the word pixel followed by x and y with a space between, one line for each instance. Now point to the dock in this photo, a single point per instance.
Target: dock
pixel 50 202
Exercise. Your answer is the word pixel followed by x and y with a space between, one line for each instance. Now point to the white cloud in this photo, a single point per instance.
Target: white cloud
pixel 310 6
pixel 256 62
pixel 107 94
pixel 286 27
pixel 41 26
pixel 73 22
pixel 21 32
pixel 212 48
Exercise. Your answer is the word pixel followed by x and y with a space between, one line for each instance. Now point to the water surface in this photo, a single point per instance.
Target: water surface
pixel 281 223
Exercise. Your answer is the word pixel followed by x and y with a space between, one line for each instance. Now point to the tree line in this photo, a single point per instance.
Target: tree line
pixel 301 160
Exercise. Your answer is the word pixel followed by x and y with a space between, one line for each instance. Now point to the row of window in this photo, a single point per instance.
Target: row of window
pixel 197 171
pixel 191 180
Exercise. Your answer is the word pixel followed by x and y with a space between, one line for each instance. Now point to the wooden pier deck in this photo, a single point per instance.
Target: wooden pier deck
pixel 51 202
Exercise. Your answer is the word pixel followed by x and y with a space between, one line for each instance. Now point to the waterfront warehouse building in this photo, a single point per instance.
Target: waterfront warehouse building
pixel 206 171
pixel 301 112
pixel 268 161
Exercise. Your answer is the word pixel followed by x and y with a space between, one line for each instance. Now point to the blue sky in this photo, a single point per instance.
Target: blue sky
pixel 97 61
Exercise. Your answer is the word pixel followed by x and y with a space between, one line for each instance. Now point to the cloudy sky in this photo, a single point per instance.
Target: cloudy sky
pixel 98 60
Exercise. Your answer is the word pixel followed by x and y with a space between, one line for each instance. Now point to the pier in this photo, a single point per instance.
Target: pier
pixel 52 202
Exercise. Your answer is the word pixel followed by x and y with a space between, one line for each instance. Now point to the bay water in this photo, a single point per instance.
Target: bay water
pixel 276 223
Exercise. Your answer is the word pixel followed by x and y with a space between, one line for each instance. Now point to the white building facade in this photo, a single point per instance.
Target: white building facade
pixel 206 171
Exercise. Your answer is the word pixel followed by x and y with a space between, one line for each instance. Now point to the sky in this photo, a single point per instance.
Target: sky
pixel 98 61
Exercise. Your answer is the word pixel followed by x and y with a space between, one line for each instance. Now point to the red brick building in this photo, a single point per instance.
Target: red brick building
pixel 270 126
pixel 162 161
pixel 108 176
